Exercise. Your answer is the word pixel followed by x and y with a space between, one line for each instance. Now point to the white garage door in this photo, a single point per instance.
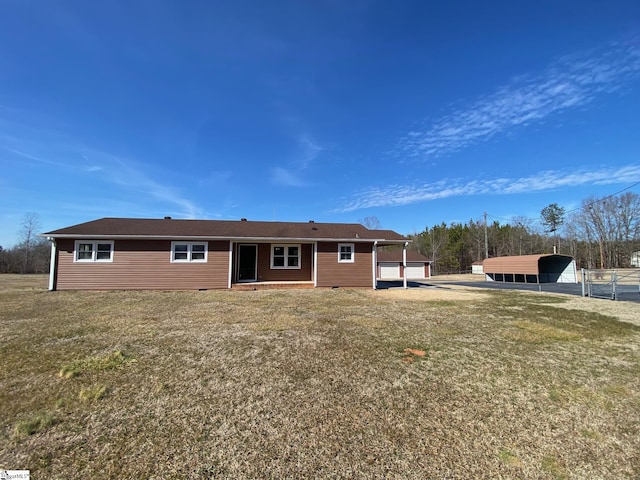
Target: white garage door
pixel 389 270
pixel 415 270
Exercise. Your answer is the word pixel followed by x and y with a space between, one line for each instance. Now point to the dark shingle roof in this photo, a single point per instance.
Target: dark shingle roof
pixel 181 229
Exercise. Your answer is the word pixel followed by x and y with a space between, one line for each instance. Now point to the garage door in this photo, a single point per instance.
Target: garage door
pixel 415 270
pixel 389 270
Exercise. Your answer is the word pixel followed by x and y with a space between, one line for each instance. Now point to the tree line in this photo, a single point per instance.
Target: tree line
pixel 602 233
pixel 32 254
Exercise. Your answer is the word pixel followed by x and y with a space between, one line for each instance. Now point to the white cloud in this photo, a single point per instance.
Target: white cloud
pixel 395 195
pixel 573 81
pixel 282 176
pixel 131 176
pixel 309 150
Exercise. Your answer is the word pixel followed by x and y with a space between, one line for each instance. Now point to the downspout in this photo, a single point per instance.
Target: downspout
pixel 52 264
pixel 374 267
pixel 404 264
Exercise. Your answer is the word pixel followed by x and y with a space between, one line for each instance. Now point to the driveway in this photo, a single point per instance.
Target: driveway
pixel 628 293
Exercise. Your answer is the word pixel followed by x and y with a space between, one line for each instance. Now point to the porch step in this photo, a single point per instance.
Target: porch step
pixel 270 285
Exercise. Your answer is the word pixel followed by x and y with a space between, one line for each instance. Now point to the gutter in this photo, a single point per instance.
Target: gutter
pixel 226 239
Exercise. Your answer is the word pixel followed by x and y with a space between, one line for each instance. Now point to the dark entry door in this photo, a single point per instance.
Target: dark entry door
pixel 247 263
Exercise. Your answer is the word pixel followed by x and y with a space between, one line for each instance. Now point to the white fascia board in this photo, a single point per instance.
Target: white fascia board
pixel 226 239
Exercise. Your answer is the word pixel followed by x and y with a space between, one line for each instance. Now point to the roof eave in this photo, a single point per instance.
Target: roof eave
pixel 227 238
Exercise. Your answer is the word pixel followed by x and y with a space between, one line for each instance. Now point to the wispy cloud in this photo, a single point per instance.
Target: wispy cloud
pixel 131 175
pixel 396 195
pixel 573 81
pixel 33 158
pixel 285 177
pixel 309 150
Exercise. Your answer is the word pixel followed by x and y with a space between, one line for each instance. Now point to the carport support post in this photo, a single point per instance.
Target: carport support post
pixel 374 265
pixel 52 264
pixel 404 264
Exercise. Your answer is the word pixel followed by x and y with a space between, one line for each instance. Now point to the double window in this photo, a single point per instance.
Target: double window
pixel 285 256
pixel 93 251
pixel 188 251
pixel 345 253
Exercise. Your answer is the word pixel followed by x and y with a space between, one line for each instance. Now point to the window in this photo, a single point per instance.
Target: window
pixel 93 251
pixel 345 252
pixel 285 256
pixel 188 251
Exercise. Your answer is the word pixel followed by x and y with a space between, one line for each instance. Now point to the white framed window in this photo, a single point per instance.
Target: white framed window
pixel 285 256
pixel 346 252
pixel 189 252
pixel 93 251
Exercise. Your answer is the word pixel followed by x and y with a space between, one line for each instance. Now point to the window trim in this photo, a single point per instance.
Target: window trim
pixel 352 247
pixel 189 252
pixel 94 251
pixel 286 256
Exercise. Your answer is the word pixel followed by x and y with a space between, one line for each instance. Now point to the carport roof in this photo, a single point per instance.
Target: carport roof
pixel 518 264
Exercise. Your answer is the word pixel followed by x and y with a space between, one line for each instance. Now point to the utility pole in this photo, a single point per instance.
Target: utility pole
pixel 486 239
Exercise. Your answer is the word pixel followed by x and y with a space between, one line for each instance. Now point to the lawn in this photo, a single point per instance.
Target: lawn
pixel 428 383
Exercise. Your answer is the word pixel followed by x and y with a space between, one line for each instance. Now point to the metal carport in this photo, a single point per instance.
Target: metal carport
pixel 545 268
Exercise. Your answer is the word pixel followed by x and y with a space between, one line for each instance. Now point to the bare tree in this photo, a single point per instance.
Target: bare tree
pixel 372 223
pixel 28 237
pixel 522 226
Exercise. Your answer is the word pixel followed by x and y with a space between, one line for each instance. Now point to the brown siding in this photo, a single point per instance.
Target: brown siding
pixel 143 265
pixel 331 273
pixel 267 274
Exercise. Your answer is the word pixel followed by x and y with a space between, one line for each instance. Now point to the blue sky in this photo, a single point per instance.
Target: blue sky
pixel 414 112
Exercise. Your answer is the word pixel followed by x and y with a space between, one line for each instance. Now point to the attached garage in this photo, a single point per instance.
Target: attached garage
pixel 390 265
pixel 548 268
pixel 416 270
pixel 389 270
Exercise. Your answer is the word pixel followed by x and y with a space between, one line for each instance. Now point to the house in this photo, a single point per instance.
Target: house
pixel 545 268
pixel 391 265
pixel 130 253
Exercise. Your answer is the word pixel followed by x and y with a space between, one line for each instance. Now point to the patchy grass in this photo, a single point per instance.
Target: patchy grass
pixel 92 393
pixel 314 384
pixel 37 422
pixel 96 363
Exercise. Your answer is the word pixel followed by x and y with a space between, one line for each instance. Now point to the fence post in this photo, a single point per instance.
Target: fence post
pixel 614 280
pixel 583 281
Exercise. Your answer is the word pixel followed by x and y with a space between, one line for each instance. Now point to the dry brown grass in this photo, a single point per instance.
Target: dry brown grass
pixel 314 384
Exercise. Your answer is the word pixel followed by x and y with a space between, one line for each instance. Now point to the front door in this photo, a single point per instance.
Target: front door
pixel 247 263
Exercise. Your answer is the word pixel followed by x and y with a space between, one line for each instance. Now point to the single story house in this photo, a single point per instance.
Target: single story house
pixel 391 265
pixel 545 268
pixel 131 253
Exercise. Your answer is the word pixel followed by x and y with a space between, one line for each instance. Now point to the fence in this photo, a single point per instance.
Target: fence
pixel 610 284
